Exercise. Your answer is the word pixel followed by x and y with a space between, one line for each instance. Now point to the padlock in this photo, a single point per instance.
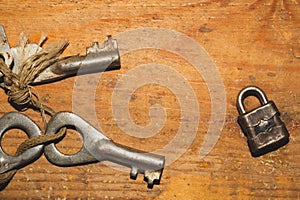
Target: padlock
pixel 262 126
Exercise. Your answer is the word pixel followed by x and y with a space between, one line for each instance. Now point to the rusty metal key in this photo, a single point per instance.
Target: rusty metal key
pixel 98 147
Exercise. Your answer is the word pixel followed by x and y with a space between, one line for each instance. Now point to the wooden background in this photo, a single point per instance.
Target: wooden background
pixel 252 42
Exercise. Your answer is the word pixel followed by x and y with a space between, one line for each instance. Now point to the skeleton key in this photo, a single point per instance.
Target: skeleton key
pixel 97 59
pixel 97 147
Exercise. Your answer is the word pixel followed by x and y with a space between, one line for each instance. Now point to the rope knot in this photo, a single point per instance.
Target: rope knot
pixel 18 92
pixel 18 85
pixel 19 96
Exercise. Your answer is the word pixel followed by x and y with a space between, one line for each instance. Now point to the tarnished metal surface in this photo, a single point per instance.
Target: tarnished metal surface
pixel 97 59
pixel 98 147
pixel 263 127
pixel 18 121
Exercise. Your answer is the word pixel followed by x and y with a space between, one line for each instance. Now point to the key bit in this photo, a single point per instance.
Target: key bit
pixel 140 162
pixel 97 147
pixel 152 177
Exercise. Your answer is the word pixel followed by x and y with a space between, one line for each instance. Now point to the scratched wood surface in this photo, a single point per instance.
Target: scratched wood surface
pixel 251 42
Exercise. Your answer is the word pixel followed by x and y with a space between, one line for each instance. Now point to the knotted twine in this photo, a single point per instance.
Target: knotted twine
pixel 20 94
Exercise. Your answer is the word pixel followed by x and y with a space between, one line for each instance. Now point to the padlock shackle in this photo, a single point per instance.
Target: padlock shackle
pixel 250 91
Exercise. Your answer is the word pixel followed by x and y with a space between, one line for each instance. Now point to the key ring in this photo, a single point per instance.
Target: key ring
pixel 17 120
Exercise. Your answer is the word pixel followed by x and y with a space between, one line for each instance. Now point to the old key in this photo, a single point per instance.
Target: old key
pixel 97 59
pixel 97 147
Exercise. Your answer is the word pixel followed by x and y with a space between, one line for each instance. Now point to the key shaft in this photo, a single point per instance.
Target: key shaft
pixel 97 59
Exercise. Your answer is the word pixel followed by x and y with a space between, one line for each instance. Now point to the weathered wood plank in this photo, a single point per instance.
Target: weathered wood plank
pixel 251 43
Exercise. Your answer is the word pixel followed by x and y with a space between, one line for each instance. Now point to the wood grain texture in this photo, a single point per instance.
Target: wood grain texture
pixel 251 42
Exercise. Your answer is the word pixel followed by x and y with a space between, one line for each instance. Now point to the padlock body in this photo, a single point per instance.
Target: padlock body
pixel 264 129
